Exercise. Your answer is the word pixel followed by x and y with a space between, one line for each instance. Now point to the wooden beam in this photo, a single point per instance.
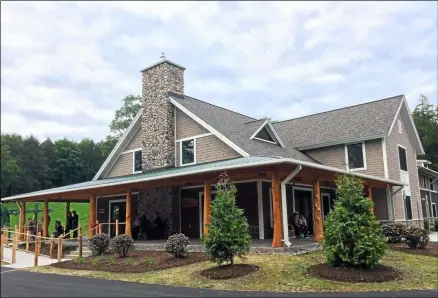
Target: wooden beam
pixel 128 229
pixel 276 206
pixel 46 218
pixel 23 220
pixel 207 206
pixel 92 216
pixel 369 194
pixel 317 224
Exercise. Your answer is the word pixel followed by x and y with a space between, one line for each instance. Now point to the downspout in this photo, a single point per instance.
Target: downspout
pixel 284 204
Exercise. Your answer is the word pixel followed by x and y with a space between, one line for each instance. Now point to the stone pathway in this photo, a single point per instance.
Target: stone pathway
pixel 25 259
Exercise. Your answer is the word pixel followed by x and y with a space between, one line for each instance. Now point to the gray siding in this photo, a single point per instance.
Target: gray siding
pixel 394 169
pixel 186 127
pixel 380 203
pixel 135 142
pixel 335 156
pixel 122 167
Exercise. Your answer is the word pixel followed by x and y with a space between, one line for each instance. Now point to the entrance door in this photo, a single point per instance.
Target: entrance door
pixel 303 204
pixel 190 217
pixel 117 212
pixel 326 206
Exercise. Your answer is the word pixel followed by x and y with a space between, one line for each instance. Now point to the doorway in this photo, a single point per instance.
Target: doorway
pixel 303 204
pixel 326 205
pixel 117 212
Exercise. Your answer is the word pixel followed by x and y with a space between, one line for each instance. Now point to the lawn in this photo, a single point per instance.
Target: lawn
pixel 58 213
pixel 282 273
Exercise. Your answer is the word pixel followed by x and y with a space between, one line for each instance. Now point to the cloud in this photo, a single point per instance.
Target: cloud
pixel 66 65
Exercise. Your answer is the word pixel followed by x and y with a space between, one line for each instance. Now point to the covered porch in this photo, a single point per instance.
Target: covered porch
pixel 270 190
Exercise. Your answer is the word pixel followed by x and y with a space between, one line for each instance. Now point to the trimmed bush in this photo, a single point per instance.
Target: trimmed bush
pixel 394 232
pixel 99 243
pixel 228 233
pixel 122 244
pixel 176 245
pixel 417 237
pixel 352 235
pixel 435 226
pixel 426 224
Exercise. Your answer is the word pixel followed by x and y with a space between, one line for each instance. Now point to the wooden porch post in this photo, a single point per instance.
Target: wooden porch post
pixel 23 220
pixel 370 197
pixel 317 224
pixel 128 230
pixel 92 216
pixel 207 206
pixel 276 206
pixel 46 218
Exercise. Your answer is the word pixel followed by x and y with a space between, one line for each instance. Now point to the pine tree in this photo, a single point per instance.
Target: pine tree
pixel 228 233
pixel 352 234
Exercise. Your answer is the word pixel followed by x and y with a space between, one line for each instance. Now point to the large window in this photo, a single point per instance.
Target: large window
pixel 137 161
pixel 188 152
pixel 408 208
pixel 355 156
pixel 402 159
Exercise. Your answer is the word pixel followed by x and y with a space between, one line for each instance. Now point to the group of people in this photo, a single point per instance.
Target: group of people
pixel 72 223
pixel 298 226
pixel 150 230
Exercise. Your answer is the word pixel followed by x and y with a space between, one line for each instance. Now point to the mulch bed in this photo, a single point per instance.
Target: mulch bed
pixel 137 262
pixel 430 250
pixel 229 271
pixel 379 273
pixel 45 249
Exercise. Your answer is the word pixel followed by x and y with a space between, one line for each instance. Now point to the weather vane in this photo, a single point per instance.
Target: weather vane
pixel 163 56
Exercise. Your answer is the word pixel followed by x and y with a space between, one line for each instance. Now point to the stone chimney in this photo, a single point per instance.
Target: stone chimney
pixel 158 127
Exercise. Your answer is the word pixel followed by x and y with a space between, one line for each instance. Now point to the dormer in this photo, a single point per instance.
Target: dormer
pixel 267 133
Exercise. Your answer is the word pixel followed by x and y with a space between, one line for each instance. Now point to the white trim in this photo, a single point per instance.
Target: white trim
pixel 267 161
pixel 284 204
pixel 340 142
pixel 364 156
pixel 385 158
pixel 194 137
pixel 180 153
pixel 406 156
pixel 119 143
pixel 209 128
pixel 434 208
pixel 133 162
pixel 399 123
pixel 395 117
pixel 260 209
pixel 425 189
pixel 130 151
pixel 273 135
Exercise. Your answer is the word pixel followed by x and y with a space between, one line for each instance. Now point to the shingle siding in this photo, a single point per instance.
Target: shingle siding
pixel 135 142
pixel 333 156
pixel 186 127
pixel 122 167
pixel 394 169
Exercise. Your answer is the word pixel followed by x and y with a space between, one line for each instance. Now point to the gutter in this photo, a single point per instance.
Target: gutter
pixel 284 204
pixel 267 161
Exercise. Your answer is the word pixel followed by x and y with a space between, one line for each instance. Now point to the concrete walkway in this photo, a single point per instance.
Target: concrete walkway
pixel 25 259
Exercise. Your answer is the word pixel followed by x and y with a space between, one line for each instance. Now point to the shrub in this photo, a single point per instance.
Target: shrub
pixel 228 233
pixel 435 226
pixel 99 243
pixel 426 225
pixel 417 237
pixel 176 245
pixel 122 244
pixel 352 236
pixel 394 232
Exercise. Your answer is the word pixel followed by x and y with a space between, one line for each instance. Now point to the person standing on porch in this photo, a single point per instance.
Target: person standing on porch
pixel 68 223
pixel 75 224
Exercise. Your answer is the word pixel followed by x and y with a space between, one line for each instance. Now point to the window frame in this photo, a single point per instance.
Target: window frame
pixel 432 209
pixel 181 164
pixel 364 155
pixel 406 158
pixel 425 181
pixel 133 162
pixel 410 207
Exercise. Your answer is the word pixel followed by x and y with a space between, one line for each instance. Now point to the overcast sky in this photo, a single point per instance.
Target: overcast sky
pixel 66 66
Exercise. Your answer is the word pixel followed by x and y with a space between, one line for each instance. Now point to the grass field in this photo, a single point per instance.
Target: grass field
pixel 58 213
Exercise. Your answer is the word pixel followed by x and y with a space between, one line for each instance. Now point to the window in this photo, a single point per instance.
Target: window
pixel 355 156
pixel 402 159
pixel 399 126
pixel 264 134
pixel 137 167
pixel 434 214
pixel 430 183
pixel 425 182
pixel 188 152
pixel 408 208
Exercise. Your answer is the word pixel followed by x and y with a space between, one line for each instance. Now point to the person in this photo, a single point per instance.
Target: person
pixel 136 228
pixel 291 227
pixel 75 223
pixel 68 224
pixel 296 225
pixel 304 227
pixel 58 229
pixel 31 226
pixel 158 227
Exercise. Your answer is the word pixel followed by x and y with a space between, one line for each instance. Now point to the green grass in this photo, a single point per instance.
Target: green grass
pixel 281 273
pixel 58 213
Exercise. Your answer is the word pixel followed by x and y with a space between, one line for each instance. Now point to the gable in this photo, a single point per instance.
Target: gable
pixel 266 132
pixel 186 126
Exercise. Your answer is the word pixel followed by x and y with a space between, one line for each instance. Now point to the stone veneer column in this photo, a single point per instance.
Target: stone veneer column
pixel 158 138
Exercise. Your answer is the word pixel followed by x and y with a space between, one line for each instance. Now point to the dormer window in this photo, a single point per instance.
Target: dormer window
pixel 267 133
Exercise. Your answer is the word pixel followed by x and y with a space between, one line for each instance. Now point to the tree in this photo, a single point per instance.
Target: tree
pixel 68 163
pixel 125 115
pixel 228 233
pixel 426 120
pixel 50 160
pixel 9 168
pixel 91 158
pixel 107 145
pixel 352 234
